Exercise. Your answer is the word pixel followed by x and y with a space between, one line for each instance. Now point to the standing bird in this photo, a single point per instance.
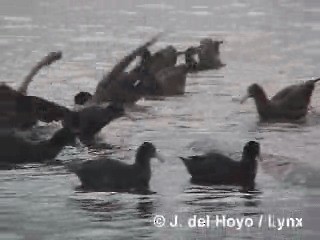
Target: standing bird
pixel 215 168
pixel 291 103
pixel 112 175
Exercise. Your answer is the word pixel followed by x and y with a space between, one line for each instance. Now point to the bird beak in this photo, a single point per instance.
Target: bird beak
pixel 160 157
pixel 245 98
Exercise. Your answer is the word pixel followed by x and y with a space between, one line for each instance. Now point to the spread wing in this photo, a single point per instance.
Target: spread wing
pixel 119 68
pixel 46 61
pixel 43 110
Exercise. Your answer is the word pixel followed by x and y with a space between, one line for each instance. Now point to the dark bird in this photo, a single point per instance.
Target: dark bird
pixel 164 58
pixel 209 55
pixel 112 175
pixel 291 103
pixel 16 150
pixel 172 80
pixel 86 122
pixel 215 168
pixel 117 85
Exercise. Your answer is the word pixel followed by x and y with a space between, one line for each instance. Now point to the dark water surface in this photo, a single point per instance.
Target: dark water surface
pixel 272 42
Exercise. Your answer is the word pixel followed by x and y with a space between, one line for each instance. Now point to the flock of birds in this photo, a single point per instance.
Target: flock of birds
pixel 155 74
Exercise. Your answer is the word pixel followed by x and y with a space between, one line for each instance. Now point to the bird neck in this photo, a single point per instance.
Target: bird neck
pixel 261 101
pixel 249 163
pixel 142 159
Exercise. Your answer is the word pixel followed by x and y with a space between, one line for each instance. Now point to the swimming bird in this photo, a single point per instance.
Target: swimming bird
pixel 163 58
pixel 86 122
pixel 209 55
pixel 117 85
pixel 172 80
pixel 128 85
pixel 15 149
pixel 112 175
pixel 291 103
pixel 216 168
pixel 20 111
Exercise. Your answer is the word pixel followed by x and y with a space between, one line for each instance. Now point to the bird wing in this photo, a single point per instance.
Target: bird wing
pixel 211 164
pixel 284 93
pixel 94 118
pixel 120 67
pixel 102 173
pixel 43 110
pixel 294 98
pixel 46 61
